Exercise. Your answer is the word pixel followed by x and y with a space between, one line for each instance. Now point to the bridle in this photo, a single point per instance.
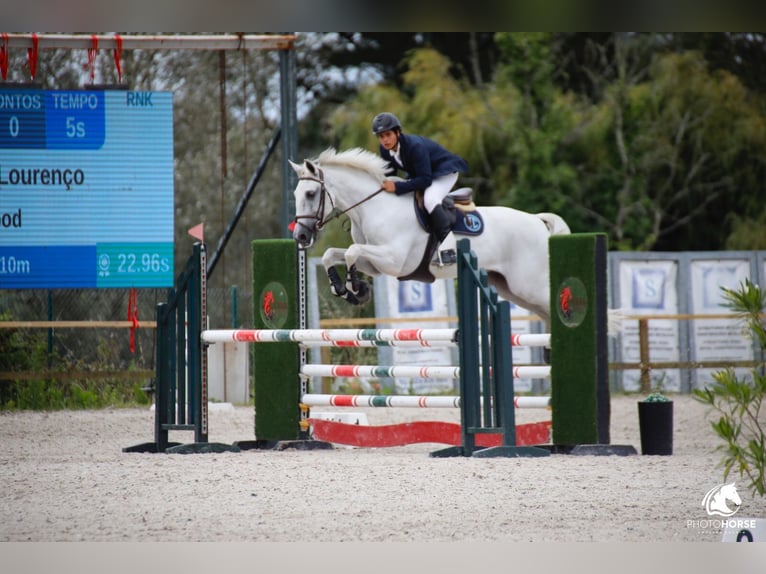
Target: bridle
pixel 321 221
pixel 319 215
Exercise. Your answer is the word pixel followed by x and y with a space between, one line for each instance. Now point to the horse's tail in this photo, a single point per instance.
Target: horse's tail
pixel 555 223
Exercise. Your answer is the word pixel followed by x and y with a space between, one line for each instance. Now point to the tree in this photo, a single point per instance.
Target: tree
pixel 472 55
pixel 651 146
pixel 742 54
pixel 685 142
pixel 467 119
pixel 545 119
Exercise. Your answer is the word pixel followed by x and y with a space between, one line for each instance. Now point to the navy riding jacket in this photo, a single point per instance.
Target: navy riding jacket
pixel 423 160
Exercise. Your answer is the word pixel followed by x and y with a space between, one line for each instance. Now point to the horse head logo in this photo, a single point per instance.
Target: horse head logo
pixel 565 298
pixel 268 302
pixel 717 498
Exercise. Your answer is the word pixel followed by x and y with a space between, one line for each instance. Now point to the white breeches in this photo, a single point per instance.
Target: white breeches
pixel 438 190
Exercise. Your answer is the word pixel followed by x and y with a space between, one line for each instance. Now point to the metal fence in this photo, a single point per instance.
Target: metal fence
pixel 88 346
pixel 74 333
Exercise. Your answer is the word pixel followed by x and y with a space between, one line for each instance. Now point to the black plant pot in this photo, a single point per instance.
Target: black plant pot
pixel 655 422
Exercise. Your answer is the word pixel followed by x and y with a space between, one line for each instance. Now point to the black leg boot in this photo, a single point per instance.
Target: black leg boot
pixel 441 225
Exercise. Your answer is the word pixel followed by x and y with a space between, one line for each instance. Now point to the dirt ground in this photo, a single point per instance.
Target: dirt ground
pixel 66 478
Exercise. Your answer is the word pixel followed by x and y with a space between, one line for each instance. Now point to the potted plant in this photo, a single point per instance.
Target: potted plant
pixel 655 423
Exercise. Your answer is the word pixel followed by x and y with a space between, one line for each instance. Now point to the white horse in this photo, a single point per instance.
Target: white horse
pixel 388 238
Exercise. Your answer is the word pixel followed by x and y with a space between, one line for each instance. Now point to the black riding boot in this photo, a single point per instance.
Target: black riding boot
pixel 441 225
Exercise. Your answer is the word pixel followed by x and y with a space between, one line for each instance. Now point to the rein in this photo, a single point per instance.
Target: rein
pixel 334 214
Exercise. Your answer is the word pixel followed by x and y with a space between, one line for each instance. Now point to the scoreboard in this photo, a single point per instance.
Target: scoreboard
pixel 86 189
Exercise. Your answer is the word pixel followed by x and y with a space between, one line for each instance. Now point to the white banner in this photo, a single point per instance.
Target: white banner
pixel 718 339
pixel 650 288
pixel 521 355
pixel 419 301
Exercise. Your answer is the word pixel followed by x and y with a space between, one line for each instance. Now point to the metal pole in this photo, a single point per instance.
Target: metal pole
pixel 468 343
pixel 234 307
pixel 239 210
pixel 154 42
pixel 643 346
pixel 290 140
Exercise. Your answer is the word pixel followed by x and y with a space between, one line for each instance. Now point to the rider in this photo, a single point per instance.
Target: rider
pixel 430 168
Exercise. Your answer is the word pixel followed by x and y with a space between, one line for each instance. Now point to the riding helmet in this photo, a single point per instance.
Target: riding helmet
pixel 384 122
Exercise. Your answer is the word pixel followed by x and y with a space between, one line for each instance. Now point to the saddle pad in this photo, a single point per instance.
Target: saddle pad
pixel 468 223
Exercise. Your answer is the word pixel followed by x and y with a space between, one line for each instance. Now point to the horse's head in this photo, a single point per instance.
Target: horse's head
pixel 310 202
pixel 354 177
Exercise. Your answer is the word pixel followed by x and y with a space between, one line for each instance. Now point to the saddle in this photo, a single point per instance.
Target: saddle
pixel 467 220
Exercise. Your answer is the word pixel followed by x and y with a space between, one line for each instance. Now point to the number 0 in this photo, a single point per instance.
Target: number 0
pixel 13 126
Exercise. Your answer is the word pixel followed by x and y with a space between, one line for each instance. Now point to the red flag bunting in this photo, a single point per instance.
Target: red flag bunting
pixel 198 232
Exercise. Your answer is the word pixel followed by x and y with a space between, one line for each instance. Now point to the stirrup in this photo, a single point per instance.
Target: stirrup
pixel 446 257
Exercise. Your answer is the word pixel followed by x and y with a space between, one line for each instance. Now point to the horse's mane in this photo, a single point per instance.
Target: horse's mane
pixel 355 158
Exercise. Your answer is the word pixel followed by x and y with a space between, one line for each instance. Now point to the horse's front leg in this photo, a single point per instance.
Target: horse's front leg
pixel 356 285
pixel 359 258
pixel 351 290
pixel 372 260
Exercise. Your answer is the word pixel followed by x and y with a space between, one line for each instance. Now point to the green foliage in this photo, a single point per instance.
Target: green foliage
pixel 90 393
pixel 748 231
pixel 25 350
pixel 33 395
pixel 20 349
pixel 543 117
pixel 656 398
pixel 140 397
pixel 679 135
pixel 739 400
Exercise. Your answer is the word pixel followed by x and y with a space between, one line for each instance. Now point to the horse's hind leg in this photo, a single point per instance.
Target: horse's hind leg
pixel 541 307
